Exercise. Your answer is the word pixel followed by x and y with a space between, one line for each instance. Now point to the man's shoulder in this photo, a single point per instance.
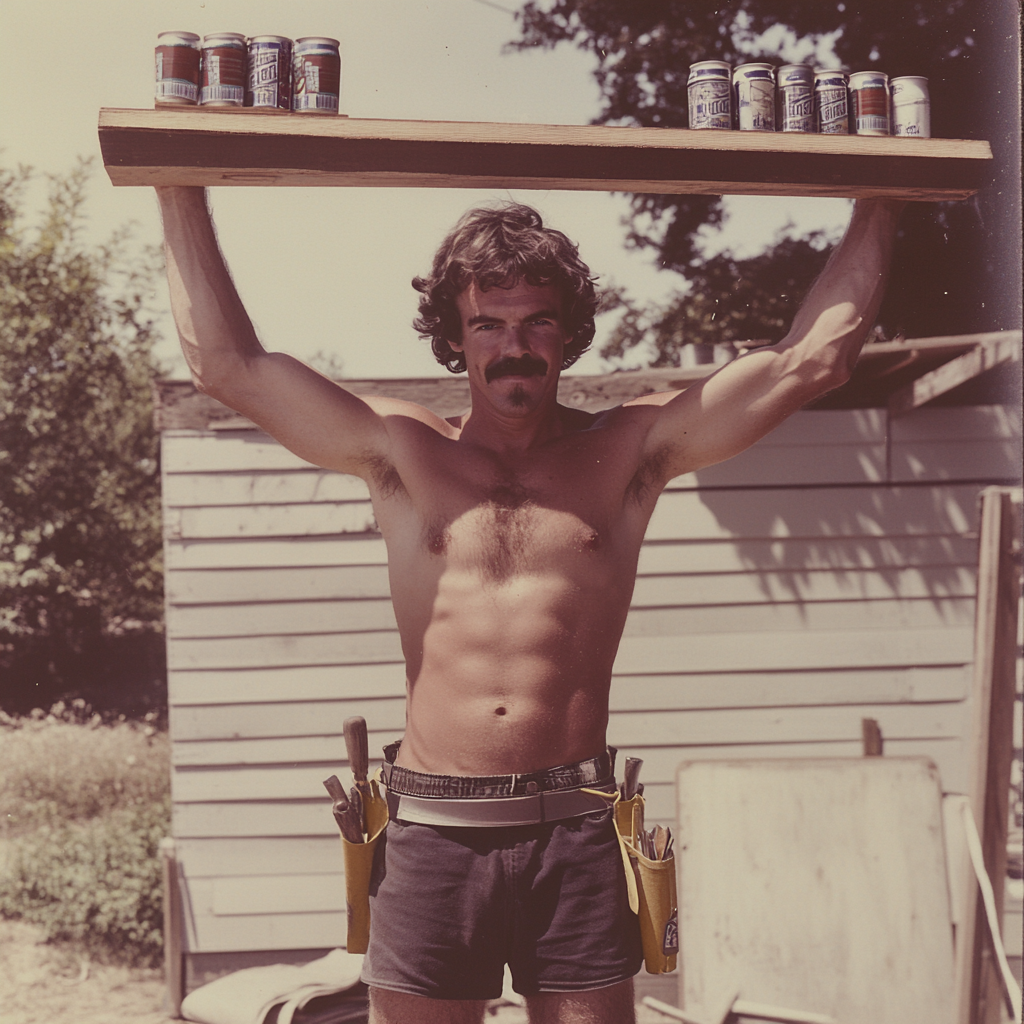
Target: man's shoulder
pixel 399 412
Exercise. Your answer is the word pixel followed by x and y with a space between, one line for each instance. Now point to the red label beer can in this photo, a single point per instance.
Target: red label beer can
pixel 316 75
pixel 270 73
pixel 223 70
pixel 709 93
pixel 177 69
pixel 869 102
pixel 831 103
pixel 911 107
pixel 753 97
pixel 796 98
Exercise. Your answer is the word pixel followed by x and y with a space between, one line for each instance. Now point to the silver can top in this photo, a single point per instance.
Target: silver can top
pixel 796 74
pixel 177 39
pixel 822 75
pixel 754 70
pixel 270 39
pixel 224 39
pixel 710 69
pixel 859 79
pixel 305 41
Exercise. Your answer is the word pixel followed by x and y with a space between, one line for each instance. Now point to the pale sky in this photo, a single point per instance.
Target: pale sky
pixel 329 268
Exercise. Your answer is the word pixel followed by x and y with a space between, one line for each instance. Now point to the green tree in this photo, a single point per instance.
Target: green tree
pixel 80 547
pixel 955 268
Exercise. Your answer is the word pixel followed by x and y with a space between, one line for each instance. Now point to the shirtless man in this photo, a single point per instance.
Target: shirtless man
pixel 513 533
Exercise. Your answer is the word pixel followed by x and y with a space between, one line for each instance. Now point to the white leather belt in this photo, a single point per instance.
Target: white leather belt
pixel 494 812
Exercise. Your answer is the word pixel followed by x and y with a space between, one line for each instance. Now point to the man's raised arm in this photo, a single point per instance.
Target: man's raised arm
pixel 306 412
pixel 726 413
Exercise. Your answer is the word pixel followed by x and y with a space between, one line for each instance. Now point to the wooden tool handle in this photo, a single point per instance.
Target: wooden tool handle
pixel 358 747
pixel 347 812
pixel 631 777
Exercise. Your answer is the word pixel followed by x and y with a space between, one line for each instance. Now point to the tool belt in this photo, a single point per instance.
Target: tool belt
pixel 494 801
pixel 358 860
pixel 652 889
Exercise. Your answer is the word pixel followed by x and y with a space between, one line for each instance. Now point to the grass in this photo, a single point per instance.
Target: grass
pixel 83 806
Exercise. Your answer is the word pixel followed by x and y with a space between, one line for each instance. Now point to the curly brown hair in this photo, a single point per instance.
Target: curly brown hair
pixel 498 247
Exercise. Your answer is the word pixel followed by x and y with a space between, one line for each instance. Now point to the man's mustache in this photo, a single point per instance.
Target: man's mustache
pixel 520 366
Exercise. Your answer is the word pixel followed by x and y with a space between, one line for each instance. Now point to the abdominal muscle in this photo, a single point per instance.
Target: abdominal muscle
pixel 511 677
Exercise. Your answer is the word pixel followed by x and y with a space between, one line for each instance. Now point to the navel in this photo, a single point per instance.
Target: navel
pixel 500 711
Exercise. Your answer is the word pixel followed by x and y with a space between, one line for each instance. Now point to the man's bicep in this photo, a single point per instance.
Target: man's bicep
pixel 309 414
pixel 724 414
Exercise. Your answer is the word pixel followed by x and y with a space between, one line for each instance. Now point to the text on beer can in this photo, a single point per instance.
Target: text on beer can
pixel 177 69
pixel 754 97
pixel 223 70
pixel 316 75
pixel 709 93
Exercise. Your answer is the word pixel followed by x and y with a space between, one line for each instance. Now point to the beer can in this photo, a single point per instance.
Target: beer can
pixel 709 93
pixel 869 103
pixel 270 73
pixel 795 94
pixel 177 69
pixel 316 75
pixel 911 107
pixel 223 70
pixel 753 97
pixel 831 103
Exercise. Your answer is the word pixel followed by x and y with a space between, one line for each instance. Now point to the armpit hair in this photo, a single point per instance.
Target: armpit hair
pixel 384 474
pixel 649 476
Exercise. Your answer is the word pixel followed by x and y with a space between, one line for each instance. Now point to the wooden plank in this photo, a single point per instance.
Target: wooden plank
pixel 292 520
pixel 230 933
pixel 954 373
pixel 150 147
pixel 815 512
pixel 260 488
pixel 310 682
pixel 967 423
pixel 932 461
pixel 279 894
pixel 294 552
pixel 786 689
pixel 318 649
pixel 279 855
pixel 798 619
pixel 778 465
pixel 767 651
pixel 202 586
pixel 800 585
pixel 829 879
pixel 284 619
pixel 210 453
pixel 990 743
pixel 236 722
pixel 840 554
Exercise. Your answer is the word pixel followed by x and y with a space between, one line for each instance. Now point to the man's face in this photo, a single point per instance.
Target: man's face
pixel 514 342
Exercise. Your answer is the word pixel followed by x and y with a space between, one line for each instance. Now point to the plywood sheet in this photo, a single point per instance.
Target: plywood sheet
pixel 195 147
pixel 816 885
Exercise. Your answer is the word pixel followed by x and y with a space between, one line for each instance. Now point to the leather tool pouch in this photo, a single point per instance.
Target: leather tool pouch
pixel 652 890
pixel 358 858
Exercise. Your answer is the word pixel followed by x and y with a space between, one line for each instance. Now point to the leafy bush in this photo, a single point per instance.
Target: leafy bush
pixel 69 766
pixel 96 883
pixel 86 804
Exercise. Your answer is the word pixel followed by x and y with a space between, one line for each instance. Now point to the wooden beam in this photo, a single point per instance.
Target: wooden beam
pixel 990 750
pixel 1002 348
pixel 201 147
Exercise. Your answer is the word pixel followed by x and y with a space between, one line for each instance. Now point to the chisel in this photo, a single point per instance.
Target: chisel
pixel 359 758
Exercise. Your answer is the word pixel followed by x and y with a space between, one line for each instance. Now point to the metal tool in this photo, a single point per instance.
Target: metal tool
pixel 347 813
pixel 631 777
pixel 359 759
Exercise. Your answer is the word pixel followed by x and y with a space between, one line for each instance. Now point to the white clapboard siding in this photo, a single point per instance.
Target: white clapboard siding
pixel 284 781
pixel 310 682
pixel 211 586
pixel 293 552
pixel 824 576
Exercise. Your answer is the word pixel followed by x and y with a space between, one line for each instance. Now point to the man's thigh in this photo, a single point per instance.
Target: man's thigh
pixel 387 1007
pixel 612 1005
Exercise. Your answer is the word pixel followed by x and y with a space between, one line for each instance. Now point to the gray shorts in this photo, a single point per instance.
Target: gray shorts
pixel 450 906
